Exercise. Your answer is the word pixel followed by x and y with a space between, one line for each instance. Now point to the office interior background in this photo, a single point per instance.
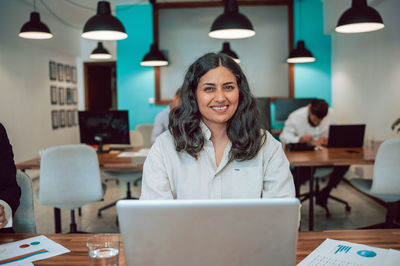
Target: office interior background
pixel 357 74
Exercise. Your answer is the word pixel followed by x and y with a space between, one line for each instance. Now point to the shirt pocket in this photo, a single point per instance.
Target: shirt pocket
pixel 247 182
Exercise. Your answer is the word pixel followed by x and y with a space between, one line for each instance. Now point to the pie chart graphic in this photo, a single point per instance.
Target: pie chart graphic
pixel 366 253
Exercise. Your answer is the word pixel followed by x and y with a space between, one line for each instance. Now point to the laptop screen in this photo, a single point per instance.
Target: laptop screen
pixel 346 135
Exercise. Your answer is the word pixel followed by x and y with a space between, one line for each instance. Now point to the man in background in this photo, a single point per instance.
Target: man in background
pixel 9 189
pixel 310 124
pixel 162 119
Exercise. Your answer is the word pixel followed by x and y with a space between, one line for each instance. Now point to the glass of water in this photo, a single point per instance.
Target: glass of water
pixel 103 250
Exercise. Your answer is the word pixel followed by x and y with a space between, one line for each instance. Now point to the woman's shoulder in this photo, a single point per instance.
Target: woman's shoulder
pixel 269 142
pixel 165 139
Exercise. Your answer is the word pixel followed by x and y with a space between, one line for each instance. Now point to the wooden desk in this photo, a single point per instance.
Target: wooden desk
pixel 304 161
pixel 107 161
pixel 307 242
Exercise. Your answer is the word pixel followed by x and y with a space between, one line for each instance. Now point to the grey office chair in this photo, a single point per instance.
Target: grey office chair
pixel 385 184
pixel 24 217
pixel 70 178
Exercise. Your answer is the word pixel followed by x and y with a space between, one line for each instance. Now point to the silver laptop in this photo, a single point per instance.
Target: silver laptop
pixel 209 232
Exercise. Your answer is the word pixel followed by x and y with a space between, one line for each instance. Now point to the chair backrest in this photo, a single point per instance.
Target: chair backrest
pixel 69 177
pixel 386 178
pixel 24 217
pixel 145 130
pixel 136 138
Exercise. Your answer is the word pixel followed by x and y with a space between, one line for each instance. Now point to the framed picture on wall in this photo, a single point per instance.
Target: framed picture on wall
pixel 70 118
pixel 61 95
pixel 67 73
pixel 60 72
pixel 61 116
pixel 54 119
pixel 74 96
pixel 53 94
pixel 69 96
pixel 73 75
pixel 75 117
pixel 52 70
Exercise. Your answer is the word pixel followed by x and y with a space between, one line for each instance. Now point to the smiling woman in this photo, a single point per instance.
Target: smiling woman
pixel 215 147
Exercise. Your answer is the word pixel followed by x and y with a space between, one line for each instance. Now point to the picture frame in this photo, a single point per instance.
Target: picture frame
pixel 67 73
pixel 52 70
pixel 69 96
pixel 74 77
pixel 53 95
pixel 61 95
pixel 74 96
pixel 70 118
pixel 54 119
pixel 75 117
pixel 60 72
pixel 61 118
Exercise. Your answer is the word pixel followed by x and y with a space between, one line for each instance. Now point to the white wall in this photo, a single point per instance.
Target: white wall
pixel 366 70
pixel 25 108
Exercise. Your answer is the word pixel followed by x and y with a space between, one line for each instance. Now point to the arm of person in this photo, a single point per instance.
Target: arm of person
pixel 5 215
pixel 278 180
pixel 289 132
pixel 155 181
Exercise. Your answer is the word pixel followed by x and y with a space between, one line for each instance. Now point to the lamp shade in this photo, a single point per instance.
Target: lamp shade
pixel 226 49
pixel 100 52
pixel 359 18
pixel 35 29
pixel 103 25
pixel 300 54
pixel 154 57
pixel 231 24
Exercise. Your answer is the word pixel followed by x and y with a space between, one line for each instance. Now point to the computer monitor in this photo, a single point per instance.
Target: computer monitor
pixel 283 107
pixel 104 127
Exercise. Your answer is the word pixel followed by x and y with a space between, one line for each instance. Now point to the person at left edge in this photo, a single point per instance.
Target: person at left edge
pixel 9 189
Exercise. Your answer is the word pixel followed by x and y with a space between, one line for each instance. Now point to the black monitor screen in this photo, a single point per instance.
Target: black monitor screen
pixel 111 126
pixel 283 107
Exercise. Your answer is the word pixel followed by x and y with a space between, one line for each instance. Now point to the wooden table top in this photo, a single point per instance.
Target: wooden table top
pixel 307 242
pixel 333 156
pixel 106 160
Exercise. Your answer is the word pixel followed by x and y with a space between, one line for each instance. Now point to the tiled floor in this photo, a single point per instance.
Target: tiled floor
pixel 364 212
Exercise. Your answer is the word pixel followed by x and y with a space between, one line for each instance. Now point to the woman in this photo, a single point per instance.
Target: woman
pixel 215 148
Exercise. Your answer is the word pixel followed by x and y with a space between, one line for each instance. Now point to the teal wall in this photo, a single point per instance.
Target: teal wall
pixel 312 79
pixel 135 83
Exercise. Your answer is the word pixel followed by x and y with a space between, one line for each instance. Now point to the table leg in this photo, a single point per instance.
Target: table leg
pixel 57 220
pixel 308 171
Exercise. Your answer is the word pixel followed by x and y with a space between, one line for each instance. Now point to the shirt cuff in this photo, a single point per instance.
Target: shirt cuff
pixel 8 213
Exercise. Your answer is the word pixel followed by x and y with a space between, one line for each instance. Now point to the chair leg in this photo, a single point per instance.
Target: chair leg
pixel 72 226
pixel 348 208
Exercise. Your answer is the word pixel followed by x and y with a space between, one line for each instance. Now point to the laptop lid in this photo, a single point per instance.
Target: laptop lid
pixel 346 135
pixel 209 232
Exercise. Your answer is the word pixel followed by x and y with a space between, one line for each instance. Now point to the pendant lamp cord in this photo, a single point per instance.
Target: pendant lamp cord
pixel 300 11
pixel 34 5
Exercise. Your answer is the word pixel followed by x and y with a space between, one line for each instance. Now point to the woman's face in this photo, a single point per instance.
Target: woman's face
pixel 217 96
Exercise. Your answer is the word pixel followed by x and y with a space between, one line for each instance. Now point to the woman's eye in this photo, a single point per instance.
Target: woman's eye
pixel 229 87
pixel 208 88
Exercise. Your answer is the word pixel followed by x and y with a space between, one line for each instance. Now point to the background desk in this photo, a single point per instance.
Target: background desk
pixel 307 242
pixel 303 161
pixel 108 161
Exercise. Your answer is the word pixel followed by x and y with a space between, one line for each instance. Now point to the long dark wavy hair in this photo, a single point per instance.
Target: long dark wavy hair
pixel 243 129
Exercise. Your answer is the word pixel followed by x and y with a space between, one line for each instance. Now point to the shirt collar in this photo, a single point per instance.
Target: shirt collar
pixel 206 131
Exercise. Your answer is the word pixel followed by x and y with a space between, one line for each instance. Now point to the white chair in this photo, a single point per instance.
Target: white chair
pixel 24 217
pixel 136 138
pixel 385 184
pixel 70 178
pixel 145 130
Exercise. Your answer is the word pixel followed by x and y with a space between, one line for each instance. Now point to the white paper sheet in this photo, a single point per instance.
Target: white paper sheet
pixel 24 252
pixel 392 258
pixel 131 154
pixel 338 253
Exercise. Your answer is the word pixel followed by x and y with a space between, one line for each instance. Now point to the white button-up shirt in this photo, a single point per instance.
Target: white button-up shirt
pixel 297 125
pixel 168 174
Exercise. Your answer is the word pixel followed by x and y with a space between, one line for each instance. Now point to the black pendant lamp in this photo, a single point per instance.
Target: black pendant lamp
pixel 34 28
pixel 226 49
pixel 300 54
pixel 103 25
pixel 359 18
pixel 154 57
pixel 100 52
pixel 231 24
